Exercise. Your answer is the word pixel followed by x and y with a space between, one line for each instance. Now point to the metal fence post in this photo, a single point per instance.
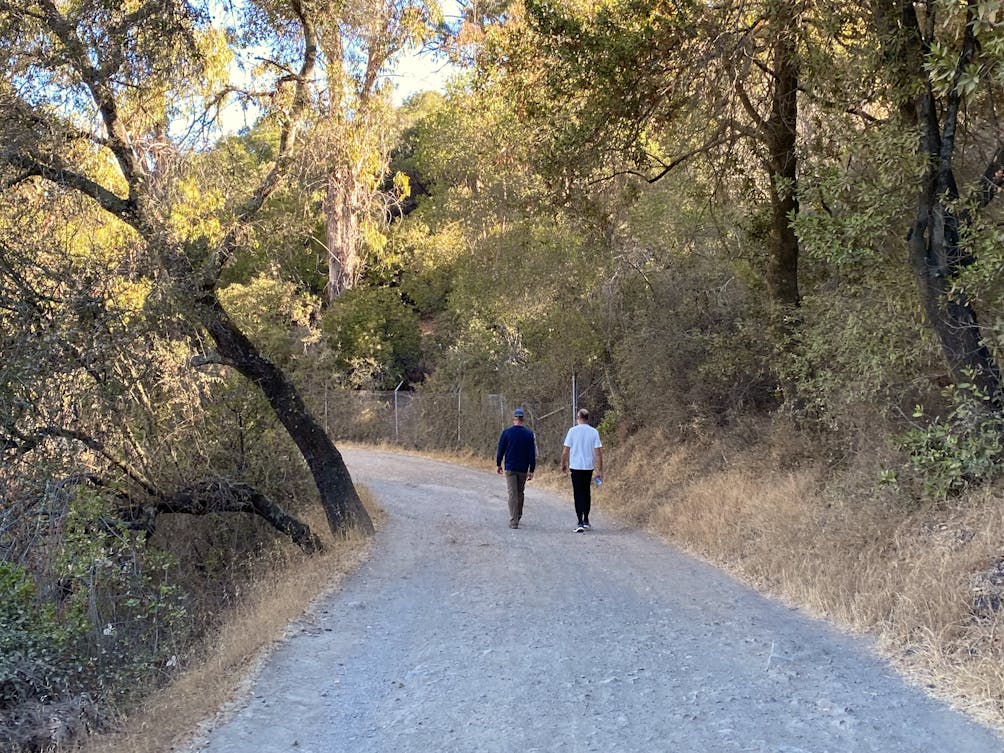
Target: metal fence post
pixel 397 432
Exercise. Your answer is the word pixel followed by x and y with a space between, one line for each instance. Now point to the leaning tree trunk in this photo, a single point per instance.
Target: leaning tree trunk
pixel 342 505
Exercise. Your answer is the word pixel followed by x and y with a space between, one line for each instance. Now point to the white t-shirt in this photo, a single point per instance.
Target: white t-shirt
pixel 581 440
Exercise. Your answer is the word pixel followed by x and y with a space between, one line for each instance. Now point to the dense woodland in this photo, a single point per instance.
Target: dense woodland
pixel 770 217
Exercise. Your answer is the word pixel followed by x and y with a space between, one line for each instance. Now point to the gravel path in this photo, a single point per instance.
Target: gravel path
pixel 462 636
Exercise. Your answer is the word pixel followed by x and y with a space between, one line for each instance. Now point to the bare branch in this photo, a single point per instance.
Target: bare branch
pixel 97 82
pixel 209 359
pixel 220 495
pixel 23 444
pixel 124 209
pixel 991 181
pixel 287 138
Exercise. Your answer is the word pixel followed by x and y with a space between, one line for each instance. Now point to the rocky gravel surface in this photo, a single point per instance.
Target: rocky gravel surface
pixel 461 635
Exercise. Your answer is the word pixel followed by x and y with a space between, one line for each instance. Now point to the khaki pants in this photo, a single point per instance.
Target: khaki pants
pixel 516 482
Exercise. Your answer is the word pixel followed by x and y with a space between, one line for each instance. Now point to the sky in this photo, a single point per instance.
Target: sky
pixel 418 71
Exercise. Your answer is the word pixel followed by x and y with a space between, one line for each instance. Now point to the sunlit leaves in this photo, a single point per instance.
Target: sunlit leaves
pixel 195 213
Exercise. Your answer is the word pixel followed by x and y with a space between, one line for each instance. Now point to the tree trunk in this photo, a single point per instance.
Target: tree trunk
pixel 339 498
pixel 936 254
pixel 781 135
pixel 341 231
pixel 935 257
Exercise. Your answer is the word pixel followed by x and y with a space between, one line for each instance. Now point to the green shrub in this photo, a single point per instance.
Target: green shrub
pixel 126 617
pixel 374 337
pixel 960 450
pixel 32 644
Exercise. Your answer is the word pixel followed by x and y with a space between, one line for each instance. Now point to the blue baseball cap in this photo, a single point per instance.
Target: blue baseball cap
pixel 518 413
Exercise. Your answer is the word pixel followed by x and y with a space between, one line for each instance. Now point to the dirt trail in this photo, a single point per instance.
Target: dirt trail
pixel 463 636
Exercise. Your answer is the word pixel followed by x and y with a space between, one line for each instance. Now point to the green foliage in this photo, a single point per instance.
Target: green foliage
pixel 276 314
pixel 609 427
pixel 421 262
pixel 942 62
pixel 374 338
pixel 33 647
pixel 692 351
pixel 854 353
pixel 851 202
pixel 601 80
pixel 958 451
pixel 128 617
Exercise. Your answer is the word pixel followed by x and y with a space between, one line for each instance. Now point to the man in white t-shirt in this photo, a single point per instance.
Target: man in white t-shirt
pixel 582 454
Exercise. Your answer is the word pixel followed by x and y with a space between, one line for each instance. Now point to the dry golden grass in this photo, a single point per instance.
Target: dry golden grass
pixel 836 546
pixel 171 715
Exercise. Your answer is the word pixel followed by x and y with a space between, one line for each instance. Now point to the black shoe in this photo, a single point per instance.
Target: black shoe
pixel 580 528
pixel 587 526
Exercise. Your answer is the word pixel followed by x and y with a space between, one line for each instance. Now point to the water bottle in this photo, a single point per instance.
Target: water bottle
pixel 598 481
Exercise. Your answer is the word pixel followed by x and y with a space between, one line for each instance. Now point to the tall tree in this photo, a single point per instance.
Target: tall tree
pixel 87 85
pixel 946 63
pixel 359 39
pixel 648 85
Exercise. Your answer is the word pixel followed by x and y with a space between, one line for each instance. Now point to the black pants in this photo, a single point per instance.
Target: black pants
pixel 580 492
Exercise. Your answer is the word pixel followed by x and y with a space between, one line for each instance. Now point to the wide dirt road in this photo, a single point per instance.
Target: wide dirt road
pixel 463 636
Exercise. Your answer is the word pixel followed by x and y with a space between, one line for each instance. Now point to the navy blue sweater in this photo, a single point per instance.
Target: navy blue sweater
pixel 517 446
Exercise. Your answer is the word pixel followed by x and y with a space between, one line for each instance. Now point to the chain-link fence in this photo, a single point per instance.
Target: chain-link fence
pixel 462 420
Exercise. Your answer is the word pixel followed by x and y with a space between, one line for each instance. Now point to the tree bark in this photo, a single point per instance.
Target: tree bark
pixel 342 231
pixel 935 250
pixel 225 496
pixel 935 258
pixel 342 505
pixel 781 131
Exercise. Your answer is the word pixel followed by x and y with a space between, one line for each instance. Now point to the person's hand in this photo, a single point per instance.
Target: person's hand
pixel 564 469
pixel 529 476
pixel 499 471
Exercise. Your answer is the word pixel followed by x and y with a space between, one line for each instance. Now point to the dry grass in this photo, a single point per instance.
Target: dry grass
pixel 170 716
pixel 836 546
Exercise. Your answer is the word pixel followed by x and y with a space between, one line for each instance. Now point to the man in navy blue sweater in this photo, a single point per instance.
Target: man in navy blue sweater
pixel 517 446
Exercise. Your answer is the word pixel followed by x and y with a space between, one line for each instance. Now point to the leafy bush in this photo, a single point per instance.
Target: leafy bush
pixel 127 617
pixel 960 450
pixel 690 351
pixel 274 313
pixel 852 349
pixel 374 337
pixel 32 644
